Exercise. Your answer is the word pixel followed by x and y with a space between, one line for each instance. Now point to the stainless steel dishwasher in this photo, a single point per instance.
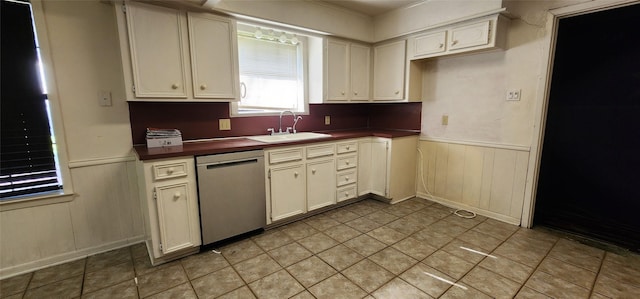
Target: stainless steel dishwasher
pixel 231 190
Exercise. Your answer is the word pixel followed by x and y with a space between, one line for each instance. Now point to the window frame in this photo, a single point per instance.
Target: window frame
pixel 303 59
pixel 66 193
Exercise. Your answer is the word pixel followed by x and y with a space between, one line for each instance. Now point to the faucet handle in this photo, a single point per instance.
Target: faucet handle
pixel 271 131
pixel 288 130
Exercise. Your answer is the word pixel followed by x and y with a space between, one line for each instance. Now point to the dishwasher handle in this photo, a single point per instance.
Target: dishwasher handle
pixel 229 163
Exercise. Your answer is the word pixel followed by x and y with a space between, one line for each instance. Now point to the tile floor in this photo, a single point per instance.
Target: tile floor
pixel 414 249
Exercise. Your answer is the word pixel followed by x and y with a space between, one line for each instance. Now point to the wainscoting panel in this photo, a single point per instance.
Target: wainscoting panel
pixel 488 179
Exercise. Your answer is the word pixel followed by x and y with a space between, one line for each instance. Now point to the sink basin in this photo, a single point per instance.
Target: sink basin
pixel 288 137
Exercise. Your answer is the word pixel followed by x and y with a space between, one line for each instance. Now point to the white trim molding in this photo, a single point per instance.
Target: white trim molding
pixel 100 161
pixel 514 147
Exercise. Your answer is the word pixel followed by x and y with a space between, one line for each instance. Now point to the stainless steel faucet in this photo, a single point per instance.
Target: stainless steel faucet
pixel 288 128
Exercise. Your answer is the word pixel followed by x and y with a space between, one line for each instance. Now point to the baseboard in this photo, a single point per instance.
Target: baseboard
pixel 461 206
pixel 66 257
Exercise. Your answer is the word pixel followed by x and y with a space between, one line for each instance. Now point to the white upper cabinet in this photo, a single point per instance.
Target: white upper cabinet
pixel 389 71
pixel 347 71
pixel 158 51
pixel 213 45
pixel 337 70
pixel 171 55
pixel 485 33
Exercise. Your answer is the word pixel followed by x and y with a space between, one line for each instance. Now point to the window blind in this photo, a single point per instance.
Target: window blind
pixel 27 162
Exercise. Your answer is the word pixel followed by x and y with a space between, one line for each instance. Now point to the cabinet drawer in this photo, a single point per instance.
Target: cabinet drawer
pixel 347 162
pixel 346 177
pixel 169 170
pixel 320 151
pixel 280 156
pixel 347 147
pixel 347 192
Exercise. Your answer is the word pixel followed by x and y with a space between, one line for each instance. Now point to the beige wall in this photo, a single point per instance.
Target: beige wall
pixel 104 213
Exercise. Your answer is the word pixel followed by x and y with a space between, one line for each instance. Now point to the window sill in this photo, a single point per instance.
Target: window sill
pixel 42 200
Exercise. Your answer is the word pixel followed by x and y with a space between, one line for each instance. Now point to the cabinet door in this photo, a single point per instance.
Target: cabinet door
pixel 321 184
pixel 388 71
pixel 379 166
pixel 429 44
pixel 288 191
pixel 360 72
pixel 175 216
pixel 157 45
pixel 472 35
pixel 214 61
pixel 337 71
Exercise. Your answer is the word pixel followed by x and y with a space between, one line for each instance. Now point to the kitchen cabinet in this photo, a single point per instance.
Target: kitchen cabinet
pixel 301 179
pixel 484 33
pixel 170 208
pixel 158 51
pixel 384 165
pixel 347 71
pixel 389 71
pixel 171 55
pixel 213 44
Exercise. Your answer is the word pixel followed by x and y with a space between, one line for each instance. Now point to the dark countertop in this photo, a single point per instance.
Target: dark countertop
pixel 227 145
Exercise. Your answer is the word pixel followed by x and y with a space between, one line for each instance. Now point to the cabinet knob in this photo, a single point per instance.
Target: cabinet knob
pixel 348 147
pixel 397 92
pixel 313 171
pixel 347 162
pixel 454 42
pixel 203 86
pixel 177 195
pixel 295 174
pixel 346 194
pixel 174 86
pixel 346 178
pixel 170 170
pixel 342 92
pixel 355 93
pixel 441 46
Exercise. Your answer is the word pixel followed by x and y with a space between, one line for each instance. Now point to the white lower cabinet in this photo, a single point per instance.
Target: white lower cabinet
pixel 387 167
pixel 300 179
pixel 287 184
pixel 320 187
pixel 168 194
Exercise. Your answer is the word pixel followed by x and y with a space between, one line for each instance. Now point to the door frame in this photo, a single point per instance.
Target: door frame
pixel 540 114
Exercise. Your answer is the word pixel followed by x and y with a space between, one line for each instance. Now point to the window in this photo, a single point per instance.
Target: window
pixel 272 71
pixel 27 152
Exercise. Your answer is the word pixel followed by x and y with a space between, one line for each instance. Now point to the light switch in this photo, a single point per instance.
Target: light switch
pixel 224 124
pixel 327 120
pixel 445 119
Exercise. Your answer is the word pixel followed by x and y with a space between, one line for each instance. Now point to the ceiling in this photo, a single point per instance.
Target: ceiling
pixel 372 7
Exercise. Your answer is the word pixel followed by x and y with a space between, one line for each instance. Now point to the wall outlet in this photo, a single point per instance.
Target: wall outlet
pixel 104 98
pixel 445 119
pixel 513 95
pixel 327 120
pixel 225 124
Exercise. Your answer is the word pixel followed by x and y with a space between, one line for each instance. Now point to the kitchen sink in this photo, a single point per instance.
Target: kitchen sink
pixel 288 137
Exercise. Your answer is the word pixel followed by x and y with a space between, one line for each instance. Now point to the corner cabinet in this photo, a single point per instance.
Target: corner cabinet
pixel 347 71
pixel 173 55
pixel 169 201
pixel 387 167
pixel 389 71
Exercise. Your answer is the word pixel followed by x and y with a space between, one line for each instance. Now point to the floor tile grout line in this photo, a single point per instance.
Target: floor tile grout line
pixel 595 280
pixel 536 269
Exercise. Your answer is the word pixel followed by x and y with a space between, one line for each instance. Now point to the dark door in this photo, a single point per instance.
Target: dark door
pixel 589 180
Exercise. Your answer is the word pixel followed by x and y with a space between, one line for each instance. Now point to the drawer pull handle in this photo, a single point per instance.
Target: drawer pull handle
pixel 347 162
pixel 348 147
pixel 454 42
pixel 346 194
pixel 342 93
pixel 203 86
pixel 295 174
pixel 441 45
pixel 313 171
pixel 174 86
pixel 346 178
pixel 170 170
pixel 177 195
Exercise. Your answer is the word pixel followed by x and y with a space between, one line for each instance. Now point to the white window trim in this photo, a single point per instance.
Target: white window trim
pixel 66 194
pixel 233 107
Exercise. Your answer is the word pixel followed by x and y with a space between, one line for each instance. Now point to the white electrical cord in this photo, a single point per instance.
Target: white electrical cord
pixel 460 213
